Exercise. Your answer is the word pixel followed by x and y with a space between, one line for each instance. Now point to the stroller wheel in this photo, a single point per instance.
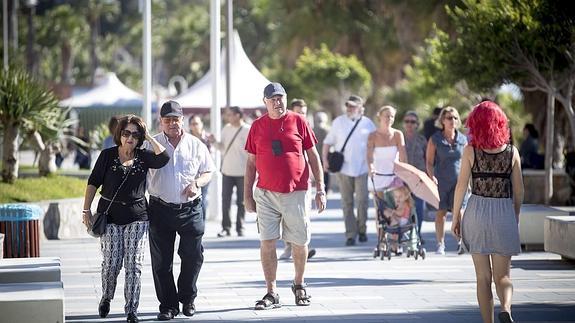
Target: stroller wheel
pixel 376 252
pixel 415 255
pixel 383 254
pixel 423 252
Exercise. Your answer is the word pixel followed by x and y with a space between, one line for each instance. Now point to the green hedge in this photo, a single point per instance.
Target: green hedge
pixel 42 188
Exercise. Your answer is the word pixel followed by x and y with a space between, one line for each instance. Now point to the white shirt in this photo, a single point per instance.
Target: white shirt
pixel 188 160
pixel 235 160
pixel 354 160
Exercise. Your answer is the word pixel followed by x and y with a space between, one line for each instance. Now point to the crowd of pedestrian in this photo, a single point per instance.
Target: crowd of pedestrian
pixel 176 166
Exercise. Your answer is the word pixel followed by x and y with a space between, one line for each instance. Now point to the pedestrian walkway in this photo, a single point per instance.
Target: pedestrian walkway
pixel 347 284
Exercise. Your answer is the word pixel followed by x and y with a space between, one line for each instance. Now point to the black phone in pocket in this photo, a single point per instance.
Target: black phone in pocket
pixel 277 147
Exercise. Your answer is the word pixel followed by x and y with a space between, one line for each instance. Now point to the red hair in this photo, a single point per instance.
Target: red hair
pixel 488 126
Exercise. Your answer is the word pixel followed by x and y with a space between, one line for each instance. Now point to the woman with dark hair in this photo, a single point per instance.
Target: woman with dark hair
pixel 122 171
pixel 443 161
pixel 530 158
pixel 489 227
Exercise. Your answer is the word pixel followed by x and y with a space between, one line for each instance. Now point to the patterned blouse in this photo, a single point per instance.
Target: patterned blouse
pixel 130 203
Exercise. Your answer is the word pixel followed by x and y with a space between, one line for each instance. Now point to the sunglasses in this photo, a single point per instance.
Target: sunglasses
pixel 451 118
pixel 128 133
pixel 410 121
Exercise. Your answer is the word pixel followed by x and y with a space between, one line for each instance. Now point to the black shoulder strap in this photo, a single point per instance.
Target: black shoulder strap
pixel 231 142
pixel 352 129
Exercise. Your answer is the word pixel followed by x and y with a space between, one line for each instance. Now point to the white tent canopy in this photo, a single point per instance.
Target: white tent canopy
pixel 110 92
pixel 247 83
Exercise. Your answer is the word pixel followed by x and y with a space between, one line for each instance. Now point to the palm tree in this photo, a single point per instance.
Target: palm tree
pixel 25 105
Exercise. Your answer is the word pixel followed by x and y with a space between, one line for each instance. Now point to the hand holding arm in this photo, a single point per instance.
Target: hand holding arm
pixel 158 148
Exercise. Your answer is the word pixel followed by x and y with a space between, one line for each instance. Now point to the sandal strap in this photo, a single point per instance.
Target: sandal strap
pixel 268 299
pixel 303 286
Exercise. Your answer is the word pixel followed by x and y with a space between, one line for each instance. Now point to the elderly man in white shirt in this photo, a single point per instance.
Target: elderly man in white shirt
pixel 175 207
pixel 234 159
pixel 352 177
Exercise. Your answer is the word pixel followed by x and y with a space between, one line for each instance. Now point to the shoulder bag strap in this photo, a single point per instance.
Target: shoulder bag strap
pixel 118 189
pixel 352 129
pixel 230 144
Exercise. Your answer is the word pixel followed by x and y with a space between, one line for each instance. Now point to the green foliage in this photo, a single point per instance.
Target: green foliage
pixel 24 102
pixel 42 188
pixel 317 72
pixel 502 41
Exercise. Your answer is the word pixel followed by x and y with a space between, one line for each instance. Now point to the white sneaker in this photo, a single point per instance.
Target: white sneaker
pixel 286 254
pixel 440 249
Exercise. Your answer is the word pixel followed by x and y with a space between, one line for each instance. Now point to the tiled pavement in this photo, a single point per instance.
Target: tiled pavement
pixel 347 284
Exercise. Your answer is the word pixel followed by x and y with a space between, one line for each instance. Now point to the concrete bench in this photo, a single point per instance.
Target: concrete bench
pixel 560 236
pixel 531 224
pixel 32 302
pixel 28 270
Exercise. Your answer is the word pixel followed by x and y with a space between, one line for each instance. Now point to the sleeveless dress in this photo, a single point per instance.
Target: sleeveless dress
pixel 489 225
pixel 383 161
pixel 447 166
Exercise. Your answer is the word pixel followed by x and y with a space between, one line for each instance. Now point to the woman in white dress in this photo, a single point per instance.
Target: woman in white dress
pixel 384 146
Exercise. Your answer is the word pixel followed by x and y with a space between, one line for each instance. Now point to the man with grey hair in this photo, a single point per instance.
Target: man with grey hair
pixel 350 131
pixel 276 145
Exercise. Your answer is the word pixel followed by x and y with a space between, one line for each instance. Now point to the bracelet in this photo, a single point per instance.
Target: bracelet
pixel 320 192
pixel 87 210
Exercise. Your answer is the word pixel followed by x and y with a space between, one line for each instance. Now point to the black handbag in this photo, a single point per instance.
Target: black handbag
pixel 99 221
pixel 335 158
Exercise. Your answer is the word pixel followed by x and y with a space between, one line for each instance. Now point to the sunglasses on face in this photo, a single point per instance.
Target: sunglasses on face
pixel 410 121
pixel 451 118
pixel 127 133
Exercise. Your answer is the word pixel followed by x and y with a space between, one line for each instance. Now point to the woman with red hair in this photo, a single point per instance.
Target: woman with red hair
pixel 489 228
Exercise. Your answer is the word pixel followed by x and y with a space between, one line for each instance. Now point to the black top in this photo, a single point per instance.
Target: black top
pixel 130 204
pixel 491 173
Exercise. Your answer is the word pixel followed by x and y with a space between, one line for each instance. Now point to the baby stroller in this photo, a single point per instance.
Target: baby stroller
pixel 407 234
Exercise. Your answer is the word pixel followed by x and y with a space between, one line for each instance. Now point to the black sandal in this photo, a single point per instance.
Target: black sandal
pixel 269 301
pixel 301 300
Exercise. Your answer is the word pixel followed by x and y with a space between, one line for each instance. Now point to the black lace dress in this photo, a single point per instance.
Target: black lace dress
pixel 489 225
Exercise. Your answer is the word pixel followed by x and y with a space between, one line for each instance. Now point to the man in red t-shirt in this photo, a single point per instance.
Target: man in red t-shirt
pixel 276 144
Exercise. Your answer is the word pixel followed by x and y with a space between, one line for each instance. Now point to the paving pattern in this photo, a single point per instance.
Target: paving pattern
pixel 347 284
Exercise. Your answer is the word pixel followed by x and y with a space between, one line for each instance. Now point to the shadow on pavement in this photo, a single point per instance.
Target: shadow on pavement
pixel 532 312
pixel 544 264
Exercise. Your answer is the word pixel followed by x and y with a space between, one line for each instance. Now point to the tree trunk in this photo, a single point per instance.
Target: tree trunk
pixel 66 52
pixel 93 55
pixel 47 162
pixel 549 148
pixel 9 153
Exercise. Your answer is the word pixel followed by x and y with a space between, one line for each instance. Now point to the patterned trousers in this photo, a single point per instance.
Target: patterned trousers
pixel 124 243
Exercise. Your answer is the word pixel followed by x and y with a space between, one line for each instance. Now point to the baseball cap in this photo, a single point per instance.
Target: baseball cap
pixel 274 89
pixel 354 100
pixel 171 109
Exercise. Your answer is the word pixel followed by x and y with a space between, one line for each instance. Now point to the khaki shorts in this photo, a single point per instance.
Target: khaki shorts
pixel 291 210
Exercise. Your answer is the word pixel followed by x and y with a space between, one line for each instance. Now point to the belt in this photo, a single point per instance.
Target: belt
pixel 121 202
pixel 177 206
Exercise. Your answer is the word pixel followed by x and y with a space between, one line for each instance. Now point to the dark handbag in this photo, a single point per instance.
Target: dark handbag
pixel 335 158
pixel 99 221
